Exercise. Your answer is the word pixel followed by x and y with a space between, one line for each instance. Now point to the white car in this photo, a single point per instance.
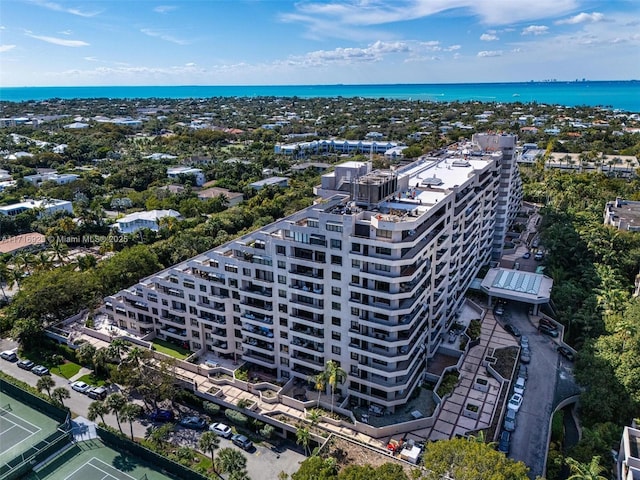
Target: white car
pixel 80 387
pixel 515 402
pixel 9 355
pixel 221 429
pixel 518 387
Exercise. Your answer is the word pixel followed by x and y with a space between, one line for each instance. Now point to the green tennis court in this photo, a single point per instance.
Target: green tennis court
pixel 21 428
pixel 96 469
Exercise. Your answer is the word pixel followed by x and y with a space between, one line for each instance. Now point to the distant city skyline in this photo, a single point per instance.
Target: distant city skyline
pixel 259 42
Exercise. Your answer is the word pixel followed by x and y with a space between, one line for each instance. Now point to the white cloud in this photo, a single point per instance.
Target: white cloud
pixel 452 48
pixel 582 18
pixel 190 64
pixel 535 30
pixel 489 37
pixel 91 59
pixel 490 53
pixel 59 8
pixel 65 32
pixel 164 36
pixel 63 42
pixel 6 48
pixel 165 8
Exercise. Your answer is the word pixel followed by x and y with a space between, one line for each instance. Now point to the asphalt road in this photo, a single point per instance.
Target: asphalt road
pixel 262 462
pixel 529 441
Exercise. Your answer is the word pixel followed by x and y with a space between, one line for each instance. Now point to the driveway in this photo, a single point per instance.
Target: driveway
pixel 529 441
pixel 261 462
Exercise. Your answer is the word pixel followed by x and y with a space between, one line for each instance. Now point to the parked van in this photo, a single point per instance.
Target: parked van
pixel 97 393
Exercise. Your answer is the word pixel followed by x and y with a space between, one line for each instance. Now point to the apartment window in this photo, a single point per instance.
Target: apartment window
pixel 313 222
pixel 336 336
pixel 165 302
pixel 283 308
pixel 282 264
pixel 281 250
pixel 284 322
pixel 196 346
pixel 354 356
pixel 232 283
pixel 355 279
pixel 236 308
pixel 246 272
pixel 335 350
pixel 284 348
pixel 282 279
pixel 284 361
pixel 383 233
pixel 355 311
pixel 336 260
pixel 192 298
pixel 194 322
pixel 355 247
pixel 190 285
pixel 203 288
pixel 355 263
pixel 195 334
pixel 336 321
pixel 154 311
pixel 132 325
pixel 336 306
pixel 282 293
pixel 335 243
pixel 336 275
pixel 383 268
pixel 383 251
pixel 334 227
pixel 132 315
pixel 336 291
pixel 230 268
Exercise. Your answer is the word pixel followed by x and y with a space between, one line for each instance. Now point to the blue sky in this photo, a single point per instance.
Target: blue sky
pixel 280 42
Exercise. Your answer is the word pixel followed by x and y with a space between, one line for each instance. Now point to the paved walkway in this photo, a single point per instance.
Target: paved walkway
pixel 83 371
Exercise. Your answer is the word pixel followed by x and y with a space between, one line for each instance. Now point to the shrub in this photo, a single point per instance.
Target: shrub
pixel 267 431
pixel 236 417
pixel 211 408
pixel 474 329
pixel 244 403
pixel 242 374
pixel 188 397
pixel 448 383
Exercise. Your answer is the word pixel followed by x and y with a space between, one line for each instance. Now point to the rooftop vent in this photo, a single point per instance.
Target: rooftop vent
pixel 432 181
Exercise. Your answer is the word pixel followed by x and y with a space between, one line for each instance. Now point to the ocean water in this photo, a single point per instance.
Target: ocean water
pixel 622 95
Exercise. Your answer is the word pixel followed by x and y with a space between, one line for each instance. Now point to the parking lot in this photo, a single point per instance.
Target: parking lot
pixel 529 441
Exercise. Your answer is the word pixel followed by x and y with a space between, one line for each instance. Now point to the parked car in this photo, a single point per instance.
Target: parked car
pixel 552 332
pixel 525 355
pixel 566 353
pixel 499 310
pixel 510 420
pixel 512 329
pixel 515 402
pixel 527 255
pixel 40 370
pixel 97 393
pixel 538 257
pixel 81 387
pixel 518 387
pixel 160 415
pixel 504 445
pixel 221 429
pixel 195 423
pixel 242 442
pixel 548 323
pixel 523 372
pixel 9 355
pixel 524 341
pixel 26 364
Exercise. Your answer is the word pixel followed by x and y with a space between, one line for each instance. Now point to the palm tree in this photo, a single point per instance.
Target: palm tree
pixel 42 262
pixel 59 394
pixel 116 348
pixel 128 413
pixel 135 356
pixel 4 277
pixel 335 376
pixel 86 262
pixel 158 435
pixel 230 460
pixel 97 409
pixel 100 359
pixel 303 437
pixel 586 471
pixel 209 442
pixel 45 383
pixel 115 402
pixel 60 251
pixel 314 416
pixel 320 382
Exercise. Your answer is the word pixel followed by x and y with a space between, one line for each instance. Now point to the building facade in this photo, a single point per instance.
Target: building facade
pixel 371 276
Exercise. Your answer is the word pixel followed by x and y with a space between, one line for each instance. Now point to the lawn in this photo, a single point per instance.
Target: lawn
pixel 171 349
pixel 67 369
pixel 91 379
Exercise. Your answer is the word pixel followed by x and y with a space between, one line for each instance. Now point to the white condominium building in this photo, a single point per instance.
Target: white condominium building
pixel 371 276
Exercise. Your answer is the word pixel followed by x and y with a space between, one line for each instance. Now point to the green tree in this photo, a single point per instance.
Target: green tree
pixel 335 376
pixel 582 471
pixel 303 437
pixel 230 460
pixel 115 402
pixel 85 354
pixel 129 413
pixel 159 435
pixel 465 460
pixel 209 442
pixel 97 409
pixel 28 331
pixel 45 383
pixel 316 468
pixel 59 394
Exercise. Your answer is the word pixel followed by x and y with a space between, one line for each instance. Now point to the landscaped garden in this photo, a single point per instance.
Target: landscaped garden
pixel 171 349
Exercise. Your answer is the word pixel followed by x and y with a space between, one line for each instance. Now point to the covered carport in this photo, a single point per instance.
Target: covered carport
pixel 526 287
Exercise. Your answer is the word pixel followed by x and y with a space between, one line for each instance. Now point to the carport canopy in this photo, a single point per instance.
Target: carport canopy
pixel 526 287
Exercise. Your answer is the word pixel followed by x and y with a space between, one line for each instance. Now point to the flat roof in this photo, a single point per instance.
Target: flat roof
pixel 12 244
pixel 518 285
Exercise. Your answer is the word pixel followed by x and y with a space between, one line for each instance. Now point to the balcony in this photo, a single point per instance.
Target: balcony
pixel 262 331
pixel 260 290
pixel 307 316
pixel 258 317
pixel 307 272
pixel 308 344
pixel 173 319
pixel 304 330
pixel 313 360
pixel 173 331
pixel 307 287
pixel 252 342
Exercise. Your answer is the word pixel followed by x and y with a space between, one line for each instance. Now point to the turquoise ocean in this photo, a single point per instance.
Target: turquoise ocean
pixel 622 95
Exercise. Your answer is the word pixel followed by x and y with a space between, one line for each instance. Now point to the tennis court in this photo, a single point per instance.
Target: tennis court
pixel 21 428
pixel 96 469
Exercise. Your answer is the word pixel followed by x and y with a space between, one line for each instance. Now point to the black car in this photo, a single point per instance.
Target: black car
pixel 512 330
pixel 242 442
pixel 160 415
pixel 510 420
pixel 505 442
pixel 566 353
pixel 26 364
pixel 552 332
